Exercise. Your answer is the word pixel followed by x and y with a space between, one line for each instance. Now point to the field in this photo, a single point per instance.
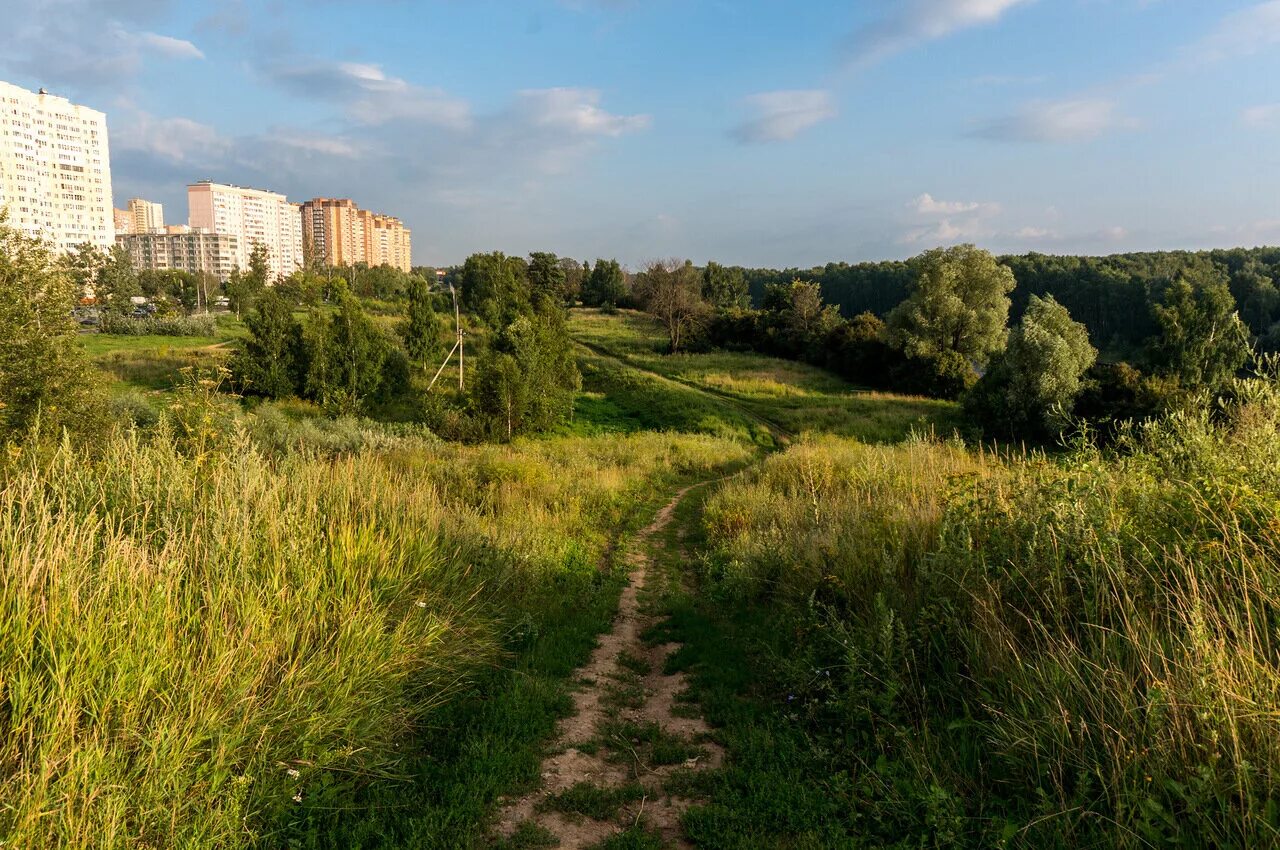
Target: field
pixel 794 397
pixel 276 630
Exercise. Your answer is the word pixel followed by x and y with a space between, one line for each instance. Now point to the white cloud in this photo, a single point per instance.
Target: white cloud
pixel 1034 233
pixel 1072 120
pixel 174 48
pixel 178 140
pixel 1261 116
pixel 370 96
pixel 778 116
pixel 913 22
pixel 928 205
pixel 1243 32
pixel 575 111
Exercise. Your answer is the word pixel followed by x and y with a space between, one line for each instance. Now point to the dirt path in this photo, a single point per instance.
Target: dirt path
pixel 625 757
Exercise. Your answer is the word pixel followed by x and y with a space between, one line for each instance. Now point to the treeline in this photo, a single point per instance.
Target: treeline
pixel 1109 295
pixel 312 338
pixel 949 336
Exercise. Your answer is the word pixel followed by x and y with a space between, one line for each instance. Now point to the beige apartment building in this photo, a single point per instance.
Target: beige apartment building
pixel 253 217
pixel 55 169
pixel 148 216
pixel 339 233
pixel 184 249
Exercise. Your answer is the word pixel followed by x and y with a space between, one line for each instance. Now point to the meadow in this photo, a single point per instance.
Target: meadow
pixel 208 645
pixel 953 647
pixel 266 628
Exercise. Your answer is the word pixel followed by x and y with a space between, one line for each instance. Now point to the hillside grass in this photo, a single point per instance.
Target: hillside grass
pixel 204 645
pixel 795 396
pixel 924 645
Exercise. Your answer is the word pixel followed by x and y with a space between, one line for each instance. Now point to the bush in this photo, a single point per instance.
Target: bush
pixel 113 323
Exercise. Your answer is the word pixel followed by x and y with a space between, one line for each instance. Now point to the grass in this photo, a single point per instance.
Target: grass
pixel 592 801
pixel 150 366
pixel 922 644
pixel 397 627
pixel 793 397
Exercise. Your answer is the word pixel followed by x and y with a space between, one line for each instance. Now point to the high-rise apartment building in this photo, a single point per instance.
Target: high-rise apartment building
pixel 254 217
pixel 55 168
pixel 339 233
pixel 124 221
pixel 185 249
pixel 148 216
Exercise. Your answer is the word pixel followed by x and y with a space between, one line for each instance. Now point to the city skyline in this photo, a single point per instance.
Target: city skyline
pixel 756 134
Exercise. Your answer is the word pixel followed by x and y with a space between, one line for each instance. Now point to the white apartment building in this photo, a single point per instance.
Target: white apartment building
pixel 55 169
pixel 254 217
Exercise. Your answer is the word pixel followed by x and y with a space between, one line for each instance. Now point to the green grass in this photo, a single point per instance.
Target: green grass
pixel 152 364
pixel 592 801
pixel 794 397
pixel 198 621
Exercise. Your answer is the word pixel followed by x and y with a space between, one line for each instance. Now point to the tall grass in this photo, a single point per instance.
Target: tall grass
pixel 1024 651
pixel 206 649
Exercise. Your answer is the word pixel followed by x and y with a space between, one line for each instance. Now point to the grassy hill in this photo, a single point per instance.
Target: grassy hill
pixel 262 631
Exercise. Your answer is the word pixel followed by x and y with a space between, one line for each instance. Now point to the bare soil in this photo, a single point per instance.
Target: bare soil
pixel 613 696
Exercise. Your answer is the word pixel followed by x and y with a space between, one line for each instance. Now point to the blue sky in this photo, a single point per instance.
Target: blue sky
pixel 760 133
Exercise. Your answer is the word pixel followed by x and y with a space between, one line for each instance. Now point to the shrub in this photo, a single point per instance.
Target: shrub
pixel 113 323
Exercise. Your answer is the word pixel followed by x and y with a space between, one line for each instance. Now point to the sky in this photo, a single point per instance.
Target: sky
pixel 760 132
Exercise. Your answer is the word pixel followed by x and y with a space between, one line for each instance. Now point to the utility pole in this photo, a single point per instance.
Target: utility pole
pixel 457 344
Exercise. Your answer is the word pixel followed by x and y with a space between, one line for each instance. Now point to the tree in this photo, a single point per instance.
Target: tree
pixel 495 288
pixel 420 330
pixel 672 292
pixel 44 375
pixel 1201 341
pixel 268 364
pixel 529 379
pixel 574 276
pixel 547 279
pixel 955 315
pixel 605 286
pixel 116 281
pixel 1037 376
pixel 725 288
pixel 243 288
pixel 81 265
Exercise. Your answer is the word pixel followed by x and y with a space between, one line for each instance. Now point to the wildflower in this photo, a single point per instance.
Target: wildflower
pixel 293 773
pixel 297 798
pixel 421 604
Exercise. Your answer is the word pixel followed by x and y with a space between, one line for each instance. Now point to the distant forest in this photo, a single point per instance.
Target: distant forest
pixel 1110 295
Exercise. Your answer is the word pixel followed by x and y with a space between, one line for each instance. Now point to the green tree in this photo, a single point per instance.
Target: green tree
pixel 1037 377
pixel 1201 341
pixel 606 285
pixel 725 288
pixel 547 278
pixel 44 375
pixel 420 330
pixel 495 288
pixel 956 312
pixel 672 292
pixel 82 265
pixel 529 379
pixel 116 280
pixel 268 364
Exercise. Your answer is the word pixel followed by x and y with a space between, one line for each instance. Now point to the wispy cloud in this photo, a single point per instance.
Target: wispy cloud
pixel 927 205
pixel 576 111
pixel 1261 116
pixel 1243 32
pixel 174 48
pixel 369 95
pixel 914 22
pixel 779 116
pixel 1071 120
